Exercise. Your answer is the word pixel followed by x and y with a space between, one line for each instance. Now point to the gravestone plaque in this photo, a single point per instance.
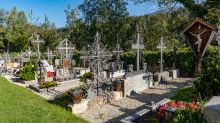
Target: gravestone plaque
pixel 66 63
pixel 57 62
pixel 199 34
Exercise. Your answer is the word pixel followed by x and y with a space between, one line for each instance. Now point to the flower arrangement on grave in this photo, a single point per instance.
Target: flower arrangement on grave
pixel 50 74
pixel 190 112
pixel 48 84
pixel 84 76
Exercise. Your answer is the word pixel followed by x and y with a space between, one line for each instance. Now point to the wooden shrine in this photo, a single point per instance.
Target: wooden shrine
pixel 199 34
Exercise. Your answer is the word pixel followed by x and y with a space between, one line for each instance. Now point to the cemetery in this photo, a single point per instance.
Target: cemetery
pixel 119 80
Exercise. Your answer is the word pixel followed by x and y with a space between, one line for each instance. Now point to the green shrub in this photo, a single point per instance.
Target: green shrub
pixel 27 72
pixel 209 81
pixel 62 100
pixel 83 77
pixel 188 116
pixel 152 120
pixel 186 94
pixel 48 84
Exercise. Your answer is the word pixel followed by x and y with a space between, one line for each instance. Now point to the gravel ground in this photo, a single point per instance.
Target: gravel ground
pixel 117 110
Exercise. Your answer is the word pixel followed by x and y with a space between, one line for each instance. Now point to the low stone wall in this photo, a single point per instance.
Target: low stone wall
pixel 212 110
pixel 174 73
pixel 36 88
pixel 136 83
pixel 86 104
pixel 28 82
pixel 161 77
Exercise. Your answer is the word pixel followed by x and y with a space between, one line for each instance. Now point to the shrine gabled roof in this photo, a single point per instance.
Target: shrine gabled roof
pixel 200 21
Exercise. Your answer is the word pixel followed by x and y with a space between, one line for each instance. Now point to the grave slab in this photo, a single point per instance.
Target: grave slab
pixel 161 77
pixel 212 110
pixel 174 73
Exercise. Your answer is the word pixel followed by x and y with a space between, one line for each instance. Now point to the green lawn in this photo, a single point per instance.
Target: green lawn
pixel 20 105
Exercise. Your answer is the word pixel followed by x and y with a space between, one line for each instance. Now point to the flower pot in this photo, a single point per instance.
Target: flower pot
pixel 75 96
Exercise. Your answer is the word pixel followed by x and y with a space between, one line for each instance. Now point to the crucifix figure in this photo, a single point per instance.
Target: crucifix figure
pixel 198 36
pixel 161 47
pixel 138 46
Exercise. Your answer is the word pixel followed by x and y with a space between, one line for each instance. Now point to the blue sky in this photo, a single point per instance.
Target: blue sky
pixel 54 9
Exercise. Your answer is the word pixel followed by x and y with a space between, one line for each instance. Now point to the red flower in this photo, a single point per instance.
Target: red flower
pixel 172 104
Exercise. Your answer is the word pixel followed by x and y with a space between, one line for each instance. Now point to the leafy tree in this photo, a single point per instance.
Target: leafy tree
pixel 77 30
pixel 16 33
pixel 109 18
pixel 199 8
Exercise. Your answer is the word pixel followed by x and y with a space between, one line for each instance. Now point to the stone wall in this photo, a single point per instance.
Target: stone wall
pixel 137 83
pixel 174 73
pixel 161 77
pixel 86 104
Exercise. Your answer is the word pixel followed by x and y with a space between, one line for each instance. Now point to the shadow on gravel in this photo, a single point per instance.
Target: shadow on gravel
pixel 156 93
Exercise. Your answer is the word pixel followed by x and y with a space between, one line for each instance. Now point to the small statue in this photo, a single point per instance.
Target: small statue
pixel 198 36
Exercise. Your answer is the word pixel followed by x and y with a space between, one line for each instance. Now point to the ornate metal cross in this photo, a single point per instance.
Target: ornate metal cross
pixel 20 55
pixel 84 56
pixel 118 50
pixel 49 54
pixel 36 39
pixel 66 45
pixel 161 47
pixel 98 61
pixel 6 56
pixel 29 52
pixel 138 46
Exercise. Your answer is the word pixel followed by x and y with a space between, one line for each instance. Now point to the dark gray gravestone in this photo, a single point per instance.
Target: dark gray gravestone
pixel 92 91
pixel 125 66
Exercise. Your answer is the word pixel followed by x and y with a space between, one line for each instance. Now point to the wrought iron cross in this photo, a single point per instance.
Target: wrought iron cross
pixel 66 45
pixel 29 52
pixel 49 54
pixel 161 47
pixel 138 46
pixel 36 39
pixel 98 60
pixel 118 50
pixel 84 56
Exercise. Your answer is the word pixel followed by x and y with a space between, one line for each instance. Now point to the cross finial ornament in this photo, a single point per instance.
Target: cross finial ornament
pixel 161 47
pixel 138 46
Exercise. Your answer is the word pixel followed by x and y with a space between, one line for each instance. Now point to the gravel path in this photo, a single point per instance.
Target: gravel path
pixel 117 110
